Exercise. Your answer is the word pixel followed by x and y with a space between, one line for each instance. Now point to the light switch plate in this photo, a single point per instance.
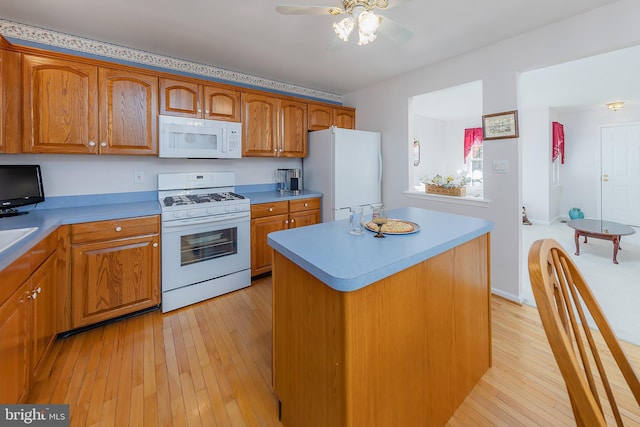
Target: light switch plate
pixel 500 166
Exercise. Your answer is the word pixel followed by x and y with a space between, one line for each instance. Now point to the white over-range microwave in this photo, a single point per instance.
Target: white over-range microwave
pixel 183 137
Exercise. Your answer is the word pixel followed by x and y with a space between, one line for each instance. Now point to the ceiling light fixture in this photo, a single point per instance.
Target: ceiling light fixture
pixel 360 13
pixel 615 106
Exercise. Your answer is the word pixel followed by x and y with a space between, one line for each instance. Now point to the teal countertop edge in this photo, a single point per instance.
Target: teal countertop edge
pixel 62 210
pixel 267 193
pixel 347 263
pixel 57 211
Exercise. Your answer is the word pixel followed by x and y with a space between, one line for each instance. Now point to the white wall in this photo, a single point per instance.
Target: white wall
pixel 535 128
pixel 66 175
pixel 580 175
pixel 498 67
pixel 431 133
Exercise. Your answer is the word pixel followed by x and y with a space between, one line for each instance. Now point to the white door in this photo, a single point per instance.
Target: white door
pixel 620 180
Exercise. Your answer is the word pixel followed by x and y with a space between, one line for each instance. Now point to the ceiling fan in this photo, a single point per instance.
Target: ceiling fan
pixel 360 15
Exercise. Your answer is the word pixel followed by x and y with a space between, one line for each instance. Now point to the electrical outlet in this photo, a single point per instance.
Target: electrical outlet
pixel 138 177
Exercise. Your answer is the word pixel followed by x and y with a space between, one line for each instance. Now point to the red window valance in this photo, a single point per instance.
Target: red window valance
pixel 471 136
pixel 557 142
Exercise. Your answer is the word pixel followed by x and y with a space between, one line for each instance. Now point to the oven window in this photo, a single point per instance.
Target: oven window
pixel 208 245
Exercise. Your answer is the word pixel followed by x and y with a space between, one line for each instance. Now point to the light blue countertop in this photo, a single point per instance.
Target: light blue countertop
pixel 99 208
pixel 63 210
pixel 346 262
pixel 269 196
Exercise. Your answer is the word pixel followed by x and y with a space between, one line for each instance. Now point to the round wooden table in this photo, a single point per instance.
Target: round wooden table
pixel 606 230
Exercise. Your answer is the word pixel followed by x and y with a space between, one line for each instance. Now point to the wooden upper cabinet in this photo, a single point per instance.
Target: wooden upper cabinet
pixel 259 125
pixel 221 104
pixel 180 98
pixel 323 116
pixel 344 117
pixel 320 116
pixel 60 100
pixel 10 102
pixel 293 119
pixel 72 107
pixel 128 112
pixel 188 99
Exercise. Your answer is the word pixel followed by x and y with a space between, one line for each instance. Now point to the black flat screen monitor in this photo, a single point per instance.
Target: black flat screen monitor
pixel 20 185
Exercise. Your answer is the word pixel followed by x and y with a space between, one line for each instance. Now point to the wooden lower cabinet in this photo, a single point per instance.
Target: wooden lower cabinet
pixel 269 217
pixel 27 319
pixel 44 317
pixel 115 268
pixel 15 315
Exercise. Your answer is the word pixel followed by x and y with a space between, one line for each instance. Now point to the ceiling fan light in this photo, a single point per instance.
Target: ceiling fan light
pixel 344 28
pixel 368 22
pixel 365 38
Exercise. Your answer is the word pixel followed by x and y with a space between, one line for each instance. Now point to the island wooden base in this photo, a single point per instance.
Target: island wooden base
pixel 403 351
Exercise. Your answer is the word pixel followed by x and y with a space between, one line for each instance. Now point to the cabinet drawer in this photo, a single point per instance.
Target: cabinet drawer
pixel 115 229
pixel 267 209
pixel 300 205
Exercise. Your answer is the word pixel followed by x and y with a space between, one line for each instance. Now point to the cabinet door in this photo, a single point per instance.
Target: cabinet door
pixel 293 116
pixel 344 117
pixel 221 104
pixel 128 112
pixel 259 125
pixel 180 98
pixel 113 278
pixel 59 106
pixel 320 116
pixel 15 315
pixel 302 219
pixel 261 256
pixel 43 298
pixel 10 93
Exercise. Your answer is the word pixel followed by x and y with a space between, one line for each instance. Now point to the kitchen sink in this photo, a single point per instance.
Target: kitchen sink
pixel 13 236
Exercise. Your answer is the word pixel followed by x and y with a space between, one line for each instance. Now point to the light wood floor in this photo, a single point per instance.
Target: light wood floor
pixel 210 364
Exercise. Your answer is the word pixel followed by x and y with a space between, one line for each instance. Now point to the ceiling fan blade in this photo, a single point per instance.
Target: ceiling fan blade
pixel 336 44
pixel 308 10
pixel 394 31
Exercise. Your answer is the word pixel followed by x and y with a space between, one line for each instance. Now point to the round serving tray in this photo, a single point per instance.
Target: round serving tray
pixel 392 224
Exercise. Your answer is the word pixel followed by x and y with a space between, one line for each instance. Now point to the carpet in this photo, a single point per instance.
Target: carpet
pixel 616 287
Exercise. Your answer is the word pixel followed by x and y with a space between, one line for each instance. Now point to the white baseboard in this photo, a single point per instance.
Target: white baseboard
pixel 508 296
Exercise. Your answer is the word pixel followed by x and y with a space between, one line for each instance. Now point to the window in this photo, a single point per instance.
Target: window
pixel 474 167
pixel 438 120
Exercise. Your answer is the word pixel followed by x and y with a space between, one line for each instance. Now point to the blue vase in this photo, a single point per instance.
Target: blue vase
pixel 576 213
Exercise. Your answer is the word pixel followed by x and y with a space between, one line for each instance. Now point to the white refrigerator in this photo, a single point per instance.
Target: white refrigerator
pixel 346 167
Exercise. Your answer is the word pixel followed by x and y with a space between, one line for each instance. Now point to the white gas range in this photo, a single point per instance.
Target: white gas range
pixel 205 237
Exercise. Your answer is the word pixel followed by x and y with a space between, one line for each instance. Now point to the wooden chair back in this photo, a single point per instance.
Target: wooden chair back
pixel 562 295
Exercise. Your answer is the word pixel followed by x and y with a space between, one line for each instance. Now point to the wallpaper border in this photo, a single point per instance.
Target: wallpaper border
pixel 38 35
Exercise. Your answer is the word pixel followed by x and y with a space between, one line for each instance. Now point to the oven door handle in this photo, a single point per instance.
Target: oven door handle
pixel 204 220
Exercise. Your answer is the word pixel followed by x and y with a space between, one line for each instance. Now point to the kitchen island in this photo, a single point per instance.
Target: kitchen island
pixel 380 332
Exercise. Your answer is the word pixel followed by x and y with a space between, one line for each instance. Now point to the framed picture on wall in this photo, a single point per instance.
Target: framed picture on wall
pixel 500 125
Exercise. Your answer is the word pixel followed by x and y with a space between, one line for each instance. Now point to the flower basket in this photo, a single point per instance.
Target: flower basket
pixel 446 191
